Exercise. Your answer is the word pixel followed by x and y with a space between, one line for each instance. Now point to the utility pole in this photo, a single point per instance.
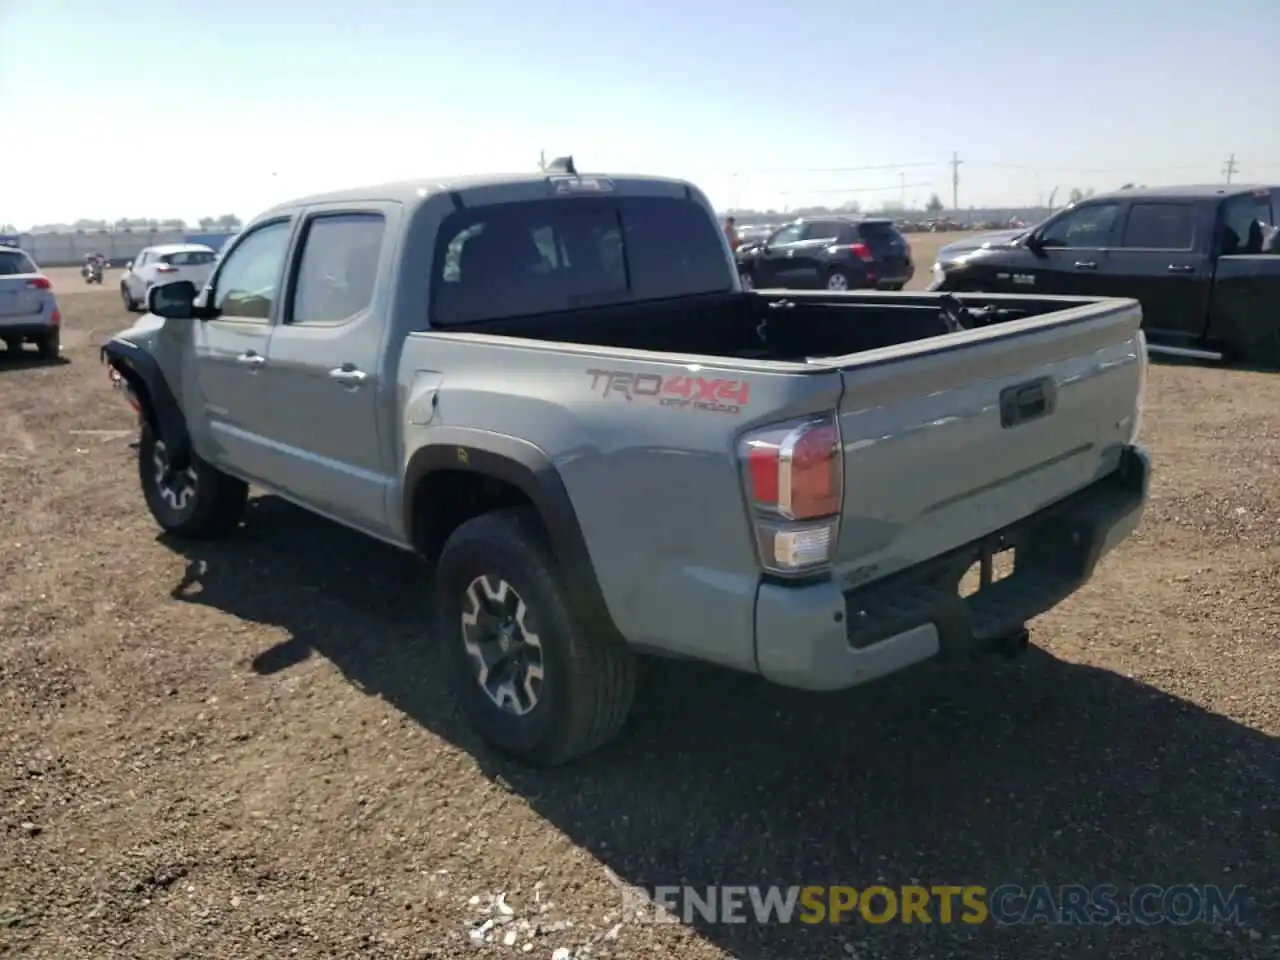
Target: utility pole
pixel 1229 168
pixel 542 160
pixel 955 180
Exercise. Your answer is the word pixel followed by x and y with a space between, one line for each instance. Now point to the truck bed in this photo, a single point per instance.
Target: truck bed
pixel 763 325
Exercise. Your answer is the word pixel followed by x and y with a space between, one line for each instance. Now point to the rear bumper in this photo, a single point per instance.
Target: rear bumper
pixel 822 638
pixel 26 328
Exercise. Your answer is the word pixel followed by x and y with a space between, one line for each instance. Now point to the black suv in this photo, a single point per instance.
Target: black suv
pixel 832 253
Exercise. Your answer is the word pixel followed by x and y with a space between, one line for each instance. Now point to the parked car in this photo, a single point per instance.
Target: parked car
pixel 28 308
pixel 1201 261
pixel 164 264
pixel 833 253
pixel 603 446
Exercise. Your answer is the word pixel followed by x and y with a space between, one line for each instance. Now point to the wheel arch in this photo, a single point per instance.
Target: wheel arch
pixel 465 472
pixel 160 408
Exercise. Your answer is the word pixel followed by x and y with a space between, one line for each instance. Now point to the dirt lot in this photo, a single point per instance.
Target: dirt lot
pixel 247 750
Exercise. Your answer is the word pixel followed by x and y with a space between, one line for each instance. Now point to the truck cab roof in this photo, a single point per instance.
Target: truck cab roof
pixel 1218 191
pixel 412 193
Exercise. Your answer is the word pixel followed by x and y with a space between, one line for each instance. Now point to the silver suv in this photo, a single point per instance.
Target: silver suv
pixel 28 309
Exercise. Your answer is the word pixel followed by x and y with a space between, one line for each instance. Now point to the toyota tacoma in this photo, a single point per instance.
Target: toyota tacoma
pixel 603 446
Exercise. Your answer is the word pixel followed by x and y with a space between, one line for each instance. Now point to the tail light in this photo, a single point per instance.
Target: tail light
pixel 56 317
pixel 40 283
pixel 793 474
pixel 1139 406
pixel 862 252
pixel 166 268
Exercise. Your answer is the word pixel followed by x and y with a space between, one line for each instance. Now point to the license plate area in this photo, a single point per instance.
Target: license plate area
pixel 991 564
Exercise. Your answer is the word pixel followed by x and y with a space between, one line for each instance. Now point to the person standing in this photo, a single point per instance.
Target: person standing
pixel 731 233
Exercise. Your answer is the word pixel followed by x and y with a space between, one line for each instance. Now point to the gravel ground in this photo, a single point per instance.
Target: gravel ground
pixel 247 749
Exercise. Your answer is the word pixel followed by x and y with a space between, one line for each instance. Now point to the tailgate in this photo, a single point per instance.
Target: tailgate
pixel 974 431
pixel 17 297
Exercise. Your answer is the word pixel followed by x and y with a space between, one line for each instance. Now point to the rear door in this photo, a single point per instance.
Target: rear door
pixel 324 373
pixel 808 258
pixel 1162 261
pixel 1074 251
pixel 231 349
pixel 891 251
pixel 21 293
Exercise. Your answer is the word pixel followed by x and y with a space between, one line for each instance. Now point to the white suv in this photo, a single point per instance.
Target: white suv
pixel 164 264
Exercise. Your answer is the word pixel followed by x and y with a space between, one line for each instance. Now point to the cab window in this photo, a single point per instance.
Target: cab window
pixel 248 282
pixel 1089 226
pixel 1159 226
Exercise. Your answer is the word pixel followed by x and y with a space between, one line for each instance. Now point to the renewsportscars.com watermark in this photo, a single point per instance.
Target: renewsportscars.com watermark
pixel 1007 904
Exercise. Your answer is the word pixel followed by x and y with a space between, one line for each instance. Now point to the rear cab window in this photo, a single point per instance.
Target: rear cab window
pixel 1159 226
pixel 15 263
pixel 189 258
pixel 560 254
pixel 1246 224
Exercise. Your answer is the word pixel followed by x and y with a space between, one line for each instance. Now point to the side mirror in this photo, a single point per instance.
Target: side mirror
pixel 173 301
pixel 1033 243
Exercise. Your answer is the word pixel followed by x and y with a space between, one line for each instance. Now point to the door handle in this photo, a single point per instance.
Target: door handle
pixel 347 375
pixel 1180 268
pixel 251 359
pixel 1086 265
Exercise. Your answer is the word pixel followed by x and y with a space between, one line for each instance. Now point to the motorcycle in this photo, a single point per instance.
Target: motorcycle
pixel 92 272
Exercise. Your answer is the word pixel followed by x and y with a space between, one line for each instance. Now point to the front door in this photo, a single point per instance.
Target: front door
pixel 1159 263
pixel 777 262
pixel 231 349
pixel 325 374
pixel 1072 253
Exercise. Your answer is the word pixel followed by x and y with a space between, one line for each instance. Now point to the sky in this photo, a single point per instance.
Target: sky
pixel 189 109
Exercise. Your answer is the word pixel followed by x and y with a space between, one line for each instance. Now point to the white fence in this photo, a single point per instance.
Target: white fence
pixel 118 246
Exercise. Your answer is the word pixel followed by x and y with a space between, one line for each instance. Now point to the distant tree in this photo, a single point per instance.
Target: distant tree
pixel 173 223
pixel 8 228
pixel 229 221
pixel 208 223
pixel 935 204
pixel 1127 186
pixel 1089 192
pixel 91 225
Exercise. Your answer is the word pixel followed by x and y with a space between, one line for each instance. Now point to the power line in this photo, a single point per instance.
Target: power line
pixel 882 166
pixel 1229 168
pixel 815 193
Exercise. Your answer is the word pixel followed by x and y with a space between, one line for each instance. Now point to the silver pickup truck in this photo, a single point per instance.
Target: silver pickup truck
pixel 553 389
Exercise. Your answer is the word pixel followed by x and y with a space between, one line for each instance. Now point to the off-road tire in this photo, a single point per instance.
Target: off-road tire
pixel 130 304
pixel 589 672
pixel 216 506
pixel 50 344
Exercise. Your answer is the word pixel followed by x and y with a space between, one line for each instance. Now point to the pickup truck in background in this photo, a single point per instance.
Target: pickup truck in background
pixel 1202 261
pixel 602 446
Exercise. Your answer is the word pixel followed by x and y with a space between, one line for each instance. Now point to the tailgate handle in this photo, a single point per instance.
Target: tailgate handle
pixel 1024 402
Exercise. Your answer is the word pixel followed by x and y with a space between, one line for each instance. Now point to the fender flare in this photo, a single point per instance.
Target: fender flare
pixel 527 468
pixel 159 406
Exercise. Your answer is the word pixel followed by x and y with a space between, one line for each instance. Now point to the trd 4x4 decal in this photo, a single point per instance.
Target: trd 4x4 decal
pixel 716 395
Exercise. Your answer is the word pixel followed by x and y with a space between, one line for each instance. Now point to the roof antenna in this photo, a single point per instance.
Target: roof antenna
pixel 562 165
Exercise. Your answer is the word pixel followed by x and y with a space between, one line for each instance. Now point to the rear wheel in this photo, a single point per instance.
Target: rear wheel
pixel 838 280
pixel 49 344
pixel 538 679
pixel 198 501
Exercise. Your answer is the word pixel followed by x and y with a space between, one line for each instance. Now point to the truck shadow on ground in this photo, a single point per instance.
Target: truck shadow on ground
pixel 1038 771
